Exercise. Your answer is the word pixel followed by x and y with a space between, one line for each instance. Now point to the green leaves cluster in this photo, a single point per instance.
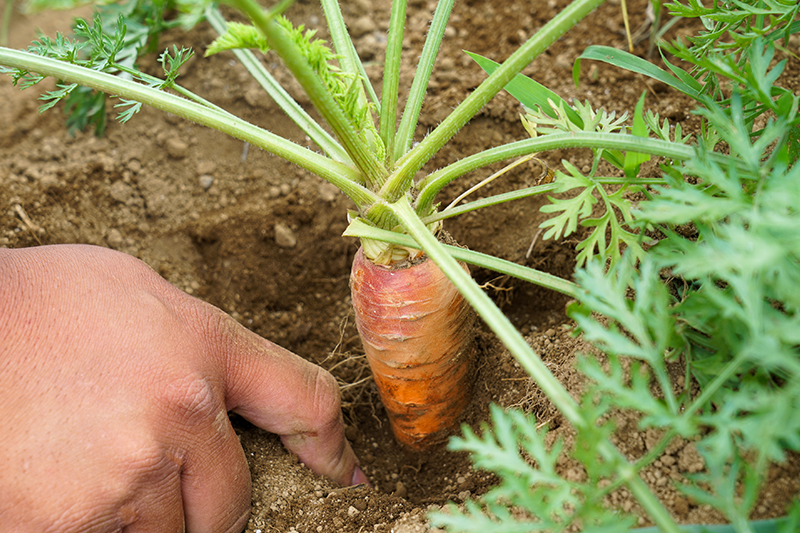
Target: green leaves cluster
pixel 728 29
pixel 723 301
pixel 533 495
pixel 611 230
pixel 117 36
pixel 714 289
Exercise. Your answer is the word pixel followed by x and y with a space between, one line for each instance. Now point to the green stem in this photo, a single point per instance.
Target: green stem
pixel 436 181
pixel 648 500
pixel 281 7
pixel 362 230
pixel 342 176
pixel 349 61
pixel 316 90
pixel 490 201
pixel 712 388
pixel 310 127
pixel 391 78
pixel 493 317
pixel 158 83
pixel 518 347
pixel 405 132
pixel 408 166
pixel 5 22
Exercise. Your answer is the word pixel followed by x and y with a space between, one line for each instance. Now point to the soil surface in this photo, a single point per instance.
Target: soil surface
pixel 261 239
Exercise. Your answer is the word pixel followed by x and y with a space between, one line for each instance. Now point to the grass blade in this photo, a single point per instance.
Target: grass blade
pixel 530 93
pixel 622 59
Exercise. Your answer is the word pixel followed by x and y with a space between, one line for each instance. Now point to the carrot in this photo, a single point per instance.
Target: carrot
pixel 416 331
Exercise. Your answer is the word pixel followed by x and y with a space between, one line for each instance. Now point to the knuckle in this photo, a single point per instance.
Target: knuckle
pixel 326 399
pixel 192 399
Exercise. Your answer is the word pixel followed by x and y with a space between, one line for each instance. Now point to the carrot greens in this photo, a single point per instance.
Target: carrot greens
pixel 704 278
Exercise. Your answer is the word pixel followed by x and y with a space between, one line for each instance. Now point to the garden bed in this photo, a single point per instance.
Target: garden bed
pixel 261 239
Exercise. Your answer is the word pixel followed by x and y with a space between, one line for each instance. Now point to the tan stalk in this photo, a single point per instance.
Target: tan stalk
pixel 494 177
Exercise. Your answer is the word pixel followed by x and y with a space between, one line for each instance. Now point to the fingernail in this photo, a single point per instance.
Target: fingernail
pixel 359 478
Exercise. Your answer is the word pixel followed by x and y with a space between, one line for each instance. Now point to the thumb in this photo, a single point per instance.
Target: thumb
pixel 284 394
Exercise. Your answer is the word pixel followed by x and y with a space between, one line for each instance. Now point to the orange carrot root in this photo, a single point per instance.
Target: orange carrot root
pixel 417 334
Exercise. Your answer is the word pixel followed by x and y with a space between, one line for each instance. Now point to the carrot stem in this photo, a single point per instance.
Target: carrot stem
pixel 410 163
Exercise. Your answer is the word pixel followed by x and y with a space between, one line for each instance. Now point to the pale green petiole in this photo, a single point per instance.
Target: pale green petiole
pixel 410 163
pixel 322 138
pixel 344 47
pixel 405 132
pixel 489 201
pixel 391 77
pixel 436 181
pixel 362 230
pixel 316 90
pixel 343 176
pixel 533 365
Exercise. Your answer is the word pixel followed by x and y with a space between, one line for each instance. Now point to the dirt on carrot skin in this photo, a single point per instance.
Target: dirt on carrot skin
pixel 261 239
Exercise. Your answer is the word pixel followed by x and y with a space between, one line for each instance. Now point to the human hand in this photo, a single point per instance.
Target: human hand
pixel 114 393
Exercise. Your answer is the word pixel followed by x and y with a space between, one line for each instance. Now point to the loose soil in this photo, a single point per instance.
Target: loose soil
pixel 261 239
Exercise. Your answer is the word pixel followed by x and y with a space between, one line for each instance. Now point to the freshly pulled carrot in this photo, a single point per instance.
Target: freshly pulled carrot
pixel 416 331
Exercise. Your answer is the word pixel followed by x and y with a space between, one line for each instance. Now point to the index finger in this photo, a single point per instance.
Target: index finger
pixel 284 394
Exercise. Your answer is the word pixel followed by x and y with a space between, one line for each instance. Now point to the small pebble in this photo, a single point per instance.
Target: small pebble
pixel 368 46
pixel 328 192
pixel 121 192
pixel 177 149
pixel 206 167
pixel 447 64
pixel 114 238
pixel 206 180
pixel 352 511
pixel 284 236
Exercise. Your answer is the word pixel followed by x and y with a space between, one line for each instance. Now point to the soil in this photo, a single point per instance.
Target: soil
pixel 261 239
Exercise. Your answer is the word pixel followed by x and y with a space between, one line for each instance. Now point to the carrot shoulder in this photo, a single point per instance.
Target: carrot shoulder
pixel 416 329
